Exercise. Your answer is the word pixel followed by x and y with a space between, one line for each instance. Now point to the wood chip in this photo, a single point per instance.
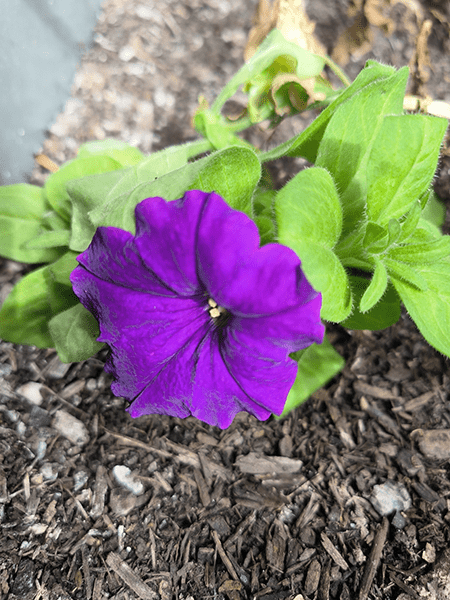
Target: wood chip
pixel 333 551
pixel 374 559
pixel 261 465
pixel 223 555
pixel 130 578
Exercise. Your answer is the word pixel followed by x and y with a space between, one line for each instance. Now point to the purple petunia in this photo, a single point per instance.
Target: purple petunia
pixel 200 320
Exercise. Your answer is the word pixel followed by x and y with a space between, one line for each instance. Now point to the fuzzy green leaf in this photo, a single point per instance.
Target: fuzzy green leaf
pixel 376 288
pixel 430 308
pixel 382 315
pixel 402 164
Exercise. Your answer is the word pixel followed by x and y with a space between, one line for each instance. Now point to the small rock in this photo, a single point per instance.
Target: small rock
pixel 79 479
pixel 126 53
pixel 121 502
pixel 49 472
pixel 391 497
pixel 435 443
pixel 71 428
pixel 127 480
pixel 39 417
pixel 32 392
pixel 429 554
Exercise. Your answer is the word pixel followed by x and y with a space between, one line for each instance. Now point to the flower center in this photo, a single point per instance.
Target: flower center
pixel 218 314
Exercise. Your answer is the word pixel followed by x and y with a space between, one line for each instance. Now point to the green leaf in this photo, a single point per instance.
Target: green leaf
pixel 219 175
pixel 306 144
pixel 85 194
pixel 74 332
pixel 61 269
pixel 430 308
pixel 125 154
pixel 409 225
pixel 317 365
pixel 22 210
pixel 402 164
pixel 427 252
pixel 434 210
pixel 376 288
pixel 216 172
pixel 376 238
pixel 382 315
pixel 50 239
pixel 25 314
pixel 273 46
pixel 55 186
pixel 266 228
pixel 399 270
pixel 309 219
pixel 308 206
pixel 350 136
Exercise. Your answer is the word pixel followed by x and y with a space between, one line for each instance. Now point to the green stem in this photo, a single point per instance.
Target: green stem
pixel 337 70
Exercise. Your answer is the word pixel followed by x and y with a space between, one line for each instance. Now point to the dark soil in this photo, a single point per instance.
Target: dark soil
pixel 282 509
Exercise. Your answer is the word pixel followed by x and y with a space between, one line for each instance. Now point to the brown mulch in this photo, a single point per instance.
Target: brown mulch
pixel 96 505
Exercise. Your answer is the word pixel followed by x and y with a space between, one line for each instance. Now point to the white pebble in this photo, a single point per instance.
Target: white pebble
pixel 390 497
pixel 32 392
pixel 123 476
pixel 126 53
pixel 71 428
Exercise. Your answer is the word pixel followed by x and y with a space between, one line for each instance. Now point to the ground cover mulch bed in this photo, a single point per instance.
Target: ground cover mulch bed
pixel 348 497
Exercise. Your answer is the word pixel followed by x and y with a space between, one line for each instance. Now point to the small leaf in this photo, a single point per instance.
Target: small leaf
pixel 376 288
pixel 427 252
pixel 50 239
pixel 25 314
pixel 411 221
pixel 75 332
pixel 22 211
pixel 316 365
pixel 402 271
pixel 376 238
pixel 382 315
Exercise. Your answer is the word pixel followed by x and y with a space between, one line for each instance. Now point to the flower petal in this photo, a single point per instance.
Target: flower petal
pixel 166 237
pixel 143 330
pixel 113 256
pixel 241 276
pixel 197 382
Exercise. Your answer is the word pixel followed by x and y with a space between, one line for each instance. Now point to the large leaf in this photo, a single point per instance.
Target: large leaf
pixel 216 172
pixel 306 144
pixel 430 309
pixel 402 164
pixel 125 154
pixel 55 186
pixel 309 219
pixel 350 136
pixel 317 364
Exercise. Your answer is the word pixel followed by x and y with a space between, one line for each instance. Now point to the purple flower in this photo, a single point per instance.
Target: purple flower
pixel 200 320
